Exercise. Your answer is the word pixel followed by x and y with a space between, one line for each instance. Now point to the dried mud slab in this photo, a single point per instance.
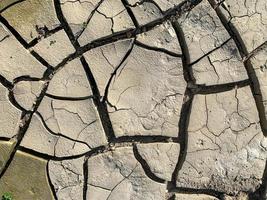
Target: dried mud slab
pixel 133 99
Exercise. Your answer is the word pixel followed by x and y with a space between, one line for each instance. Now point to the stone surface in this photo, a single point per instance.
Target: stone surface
pixel 75 119
pixel 146 12
pixel 161 158
pixel 55 48
pixel 162 36
pixel 117 175
pixel 10 115
pixel 104 60
pixel 147 94
pixel 70 81
pixel 13 65
pixel 194 197
pixel 67 178
pixel 203 30
pixel 249 19
pixel 225 144
pixel 27 92
pixel 5 152
pixel 39 139
pixel 26 178
pixel 133 99
pixel 31 14
pixel 221 66
pixel 259 63
pixel 113 18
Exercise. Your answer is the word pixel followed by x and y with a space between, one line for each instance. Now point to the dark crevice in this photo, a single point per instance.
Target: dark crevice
pixel 131 33
pixel 25 78
pixel 209 192
pixel 101 106
pixel 187 71
pixel 11 5
pixel 14 32
pixel 6 83
pixel 256 51
pixel 172 197
pixel 255 88
pixel 14 102
pixel 146 167
pixel 211 89
pixel 89 18
pixel 50 182
pixel 65 24
pixel 130 13
pixel 63 98
pixel 186 107
pixel 183 135
pixel 85 179
pixel 48 157
pixel 4 138
pixel 145 139
pixel 145 46
pixel 41 60
pixel 210 52
pixel 46 34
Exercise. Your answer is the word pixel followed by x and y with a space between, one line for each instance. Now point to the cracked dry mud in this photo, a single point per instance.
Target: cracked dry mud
pixel 133 99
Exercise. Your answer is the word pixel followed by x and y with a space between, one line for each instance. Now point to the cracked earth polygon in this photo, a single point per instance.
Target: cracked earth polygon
pixel 133 99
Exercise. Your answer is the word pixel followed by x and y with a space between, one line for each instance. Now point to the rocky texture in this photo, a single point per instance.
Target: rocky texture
pixel 70 81
pixel 67 178
pixel 161 158
pixel 259 63
pixel 118 175
pixel 194 197
pixel 134 100
pixel 226 148
pixel 203 31
pixel 145 12
pixel 10 115
pixel 248 19
pixel 26 178
pixel 162 37
pixel 5 151
pixel 55 48
pixel 12 65
pixel 27 92
pixel 30 16
pixel 104 60
pixel 141 103
pixel 223 65
pixel 111 15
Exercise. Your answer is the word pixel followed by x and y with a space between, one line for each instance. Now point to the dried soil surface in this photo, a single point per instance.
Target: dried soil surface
pixel 133 99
